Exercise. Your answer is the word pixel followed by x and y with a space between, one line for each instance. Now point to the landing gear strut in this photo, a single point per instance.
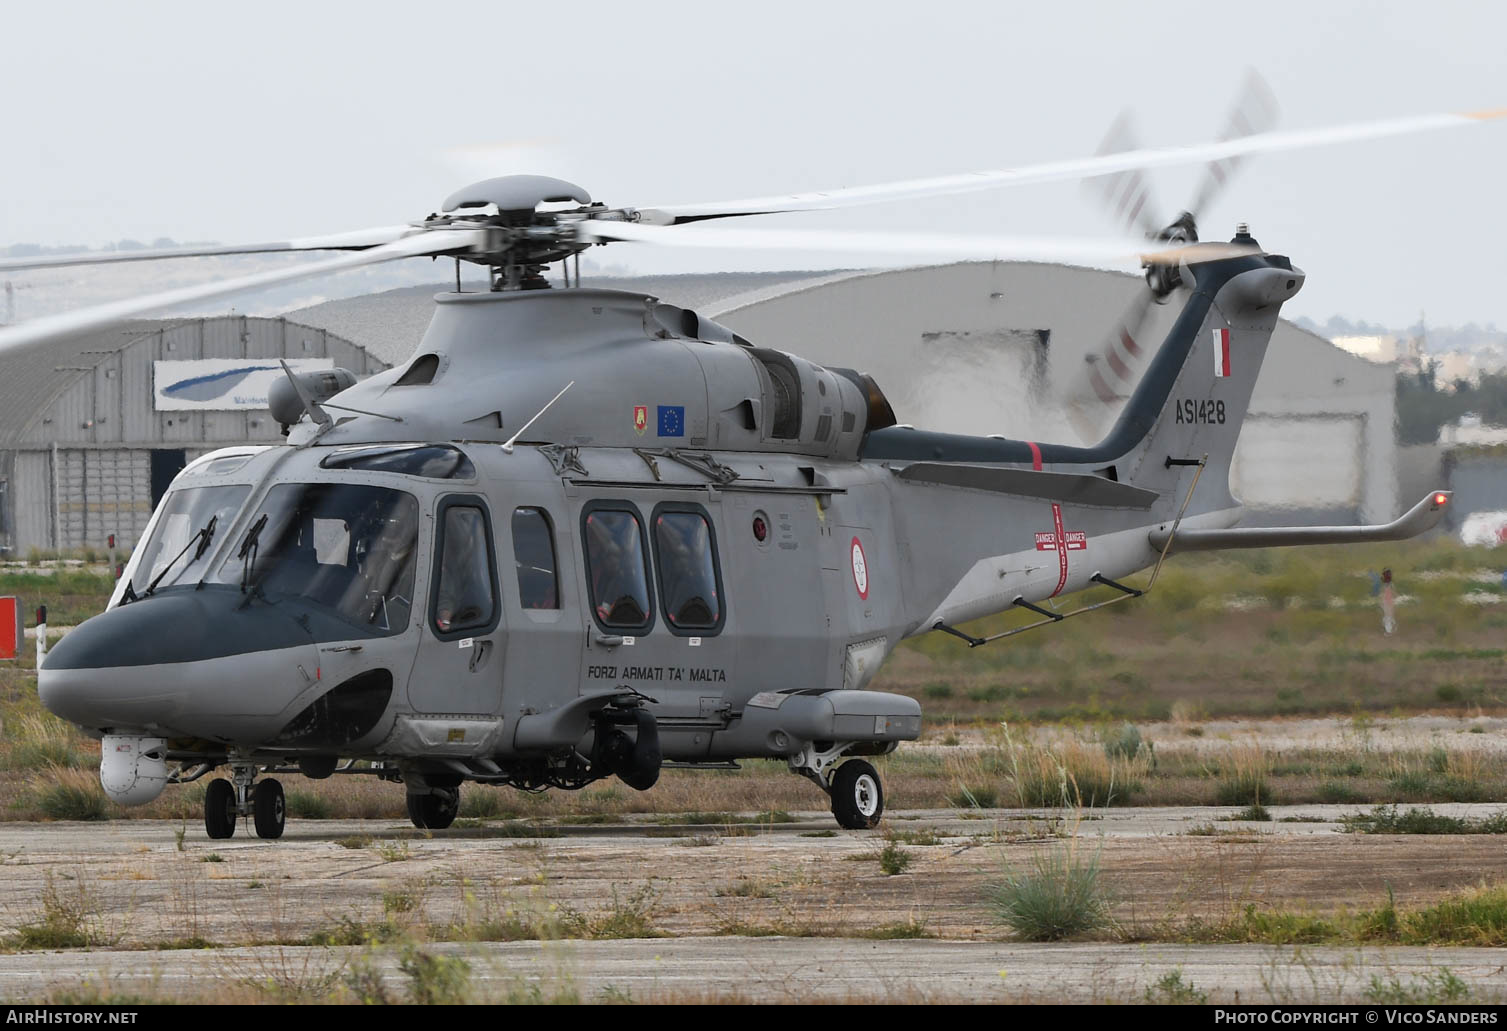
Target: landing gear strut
pixel 857 795
pixel 226 801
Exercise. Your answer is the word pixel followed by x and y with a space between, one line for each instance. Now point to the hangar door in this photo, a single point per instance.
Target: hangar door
pixel 100 492
pixel 1286 461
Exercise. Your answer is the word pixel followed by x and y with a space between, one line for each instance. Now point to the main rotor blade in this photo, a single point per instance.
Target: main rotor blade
pixel 439 241
pixel 931 245
pixel 1255 111
pixel 1155 157
pixel 1126 194
pixel 360 239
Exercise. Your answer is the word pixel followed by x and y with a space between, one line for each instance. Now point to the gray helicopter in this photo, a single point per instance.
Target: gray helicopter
pixel 583 533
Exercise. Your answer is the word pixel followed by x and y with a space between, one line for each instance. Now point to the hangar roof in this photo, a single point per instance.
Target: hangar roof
pixel 34 377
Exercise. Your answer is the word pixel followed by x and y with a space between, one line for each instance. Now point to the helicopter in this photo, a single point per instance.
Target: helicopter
pixel 583 533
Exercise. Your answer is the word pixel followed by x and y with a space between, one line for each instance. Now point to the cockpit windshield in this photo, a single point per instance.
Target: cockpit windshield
pixel 348 548
pixel 186 514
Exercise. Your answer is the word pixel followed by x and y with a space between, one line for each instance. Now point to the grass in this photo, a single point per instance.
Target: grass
pixel 70 918
pixel 1477 917
pixel 1058 894
pixel 893 859
pixel 64 794
pixel 1431 988
pixel 629 916
pixel 1388 820
pixel 1171 990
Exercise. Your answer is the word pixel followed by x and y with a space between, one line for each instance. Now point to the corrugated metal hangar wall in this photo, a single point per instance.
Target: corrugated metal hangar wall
pixel 1007 347
pixel 93 431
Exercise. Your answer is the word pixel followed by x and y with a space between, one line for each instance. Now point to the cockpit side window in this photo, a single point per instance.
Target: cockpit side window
pixel 617 568
pixel 465 589
pixel 690 584
pixel 534 555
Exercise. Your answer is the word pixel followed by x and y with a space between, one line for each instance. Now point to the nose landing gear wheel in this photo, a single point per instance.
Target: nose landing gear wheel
pixel 269 809
pixel 219 809
pixel 434 811
pixel 857 797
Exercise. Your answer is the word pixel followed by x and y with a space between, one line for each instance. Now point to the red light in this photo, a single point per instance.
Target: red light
pixel 1440 499
pixel 760 529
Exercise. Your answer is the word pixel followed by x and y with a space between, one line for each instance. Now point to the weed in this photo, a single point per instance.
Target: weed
pixel 1126 743
pixel 435 979
pixel 213 857
pixel 179 833
pixel 1059 895
pixel 1256 813
pixel 630 916
pixel 306 805
pixel 71 795
pixel 395 851
pixel 42 741
pixel 814 834
pixel 1387 820
pixel 70 919
pixel 399 902
pixel 1242 778
pixel 1433 987
pixel 708 840
pixel 747 888
pixel 925 836
pixel 354 841
pixel 912 928
pixel 1171 990
pixel 893 859
pixel 363 980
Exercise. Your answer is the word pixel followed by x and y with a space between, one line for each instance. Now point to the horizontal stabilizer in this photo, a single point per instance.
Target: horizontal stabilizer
pixel 1072 488
pixel 1423 516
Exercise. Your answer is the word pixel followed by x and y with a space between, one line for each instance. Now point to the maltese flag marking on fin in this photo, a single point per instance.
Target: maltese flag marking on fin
pixel 1221 352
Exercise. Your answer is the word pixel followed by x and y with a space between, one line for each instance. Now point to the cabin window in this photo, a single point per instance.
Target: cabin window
pixel 689 583
pixel 617 569
pixel 534 555
pixel 464 594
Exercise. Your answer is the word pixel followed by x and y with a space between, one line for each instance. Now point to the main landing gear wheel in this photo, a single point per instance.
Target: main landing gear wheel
pixel 436 810
pixel 857 798
pixel 219 809
pixel 269 809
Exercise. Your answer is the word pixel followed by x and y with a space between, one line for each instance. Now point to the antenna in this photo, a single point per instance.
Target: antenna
pixel 507 448
pixel 316 413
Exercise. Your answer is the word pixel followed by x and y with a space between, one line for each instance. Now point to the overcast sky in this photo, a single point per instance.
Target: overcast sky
pixel 204 121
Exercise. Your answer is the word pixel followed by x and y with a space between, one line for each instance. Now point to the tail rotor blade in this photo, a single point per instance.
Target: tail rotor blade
pixel 1099 389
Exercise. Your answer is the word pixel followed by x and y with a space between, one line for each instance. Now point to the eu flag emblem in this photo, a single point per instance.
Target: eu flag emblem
pixel 672 420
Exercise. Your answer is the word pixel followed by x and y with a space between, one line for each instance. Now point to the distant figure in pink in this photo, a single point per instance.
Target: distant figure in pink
pixel 1388 603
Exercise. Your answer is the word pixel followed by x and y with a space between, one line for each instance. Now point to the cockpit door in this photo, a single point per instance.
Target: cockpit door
pixel 459 668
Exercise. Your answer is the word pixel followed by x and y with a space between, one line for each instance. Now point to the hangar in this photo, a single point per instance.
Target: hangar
pixel 1008 348
pixel 93 429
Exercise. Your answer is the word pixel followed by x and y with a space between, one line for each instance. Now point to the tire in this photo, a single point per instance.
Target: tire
pixel 434 811
pixel 857 796
pixel 219 809
pixel 269 809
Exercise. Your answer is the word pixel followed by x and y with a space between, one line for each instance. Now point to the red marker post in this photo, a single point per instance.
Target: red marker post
pixel 12 634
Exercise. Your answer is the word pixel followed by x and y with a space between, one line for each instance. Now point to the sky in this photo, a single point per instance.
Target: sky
pixel 261 121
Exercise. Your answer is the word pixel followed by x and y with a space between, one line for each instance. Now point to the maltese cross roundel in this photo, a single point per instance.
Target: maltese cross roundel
pixel 860 570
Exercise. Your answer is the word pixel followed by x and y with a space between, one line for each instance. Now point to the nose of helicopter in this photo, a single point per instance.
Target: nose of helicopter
pixel 177 659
